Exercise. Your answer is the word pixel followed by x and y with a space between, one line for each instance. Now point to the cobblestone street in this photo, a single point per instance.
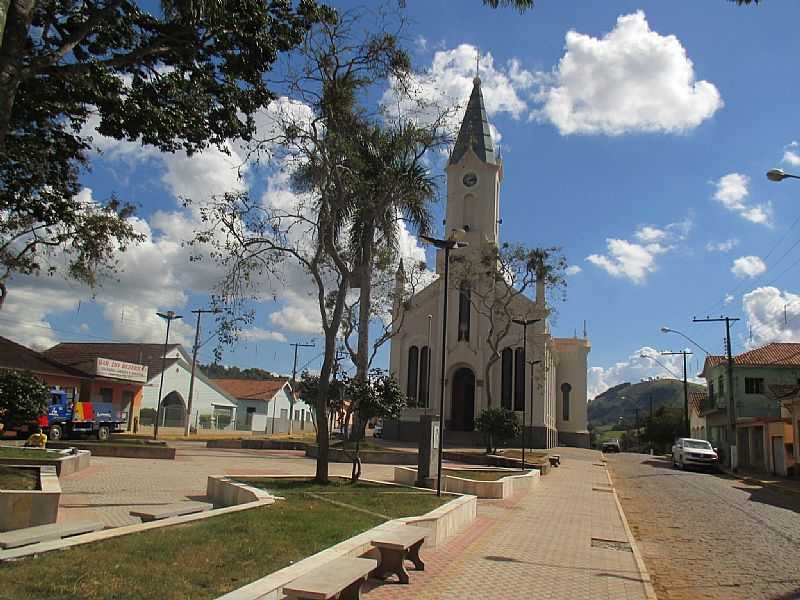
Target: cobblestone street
pixel 710 537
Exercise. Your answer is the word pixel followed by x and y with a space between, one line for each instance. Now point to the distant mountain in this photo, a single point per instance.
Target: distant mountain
pixel 622 400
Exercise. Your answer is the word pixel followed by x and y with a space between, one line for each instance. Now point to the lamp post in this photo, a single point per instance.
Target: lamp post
pixel 428 367
pixel 169 316
pixel 779 175
pixel 531 363
pixel 452 241
pixel 683 335
pixel 525 323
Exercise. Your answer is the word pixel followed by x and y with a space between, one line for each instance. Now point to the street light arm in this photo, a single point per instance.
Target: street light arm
pixel 670 330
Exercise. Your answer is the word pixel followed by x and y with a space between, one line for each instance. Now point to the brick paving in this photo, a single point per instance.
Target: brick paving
pixel 710 537
pixel 535 546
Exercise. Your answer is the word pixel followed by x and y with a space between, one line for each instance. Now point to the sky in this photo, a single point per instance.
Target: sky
pixel 634 135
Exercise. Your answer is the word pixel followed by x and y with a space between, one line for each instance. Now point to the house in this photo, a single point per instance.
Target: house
pixel 765 433
pixel 697 421
pixel 116 383
pixel 265 406
pixel 212 407
pixel 555 407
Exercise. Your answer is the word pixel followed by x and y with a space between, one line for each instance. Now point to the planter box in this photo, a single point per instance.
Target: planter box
pixel 29 508
pixel 367 456
pixel 493 460
pixel 64 464
pixel 444 522
pixel 500 489
pixel 224 492
pixel 258 444
pixel 120 450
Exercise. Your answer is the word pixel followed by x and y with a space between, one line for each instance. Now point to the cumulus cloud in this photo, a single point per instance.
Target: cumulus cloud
pixel 573 270
pixel 632 79
pixel 256 334
pixel 748 267
pixel 635 261
pixel 772 315
pixel 729 298
pixel 633 369
pixel 790 154
pixel 732 191
pixel 725 246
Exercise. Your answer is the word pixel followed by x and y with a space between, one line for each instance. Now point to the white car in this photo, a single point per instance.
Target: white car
pixel 688 452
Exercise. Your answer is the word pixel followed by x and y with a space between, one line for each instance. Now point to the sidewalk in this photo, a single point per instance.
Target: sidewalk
pixel 537 546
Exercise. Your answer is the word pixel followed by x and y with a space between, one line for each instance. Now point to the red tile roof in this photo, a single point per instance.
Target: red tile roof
pixel 774 354
pixel 696 400
pixel 251 389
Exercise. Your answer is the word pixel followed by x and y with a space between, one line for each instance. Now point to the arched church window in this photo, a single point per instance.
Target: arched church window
pixel 519 379
pixel 413 372
pixel 464 312
pixel 565 390
pixel 507 374
pixel 424 376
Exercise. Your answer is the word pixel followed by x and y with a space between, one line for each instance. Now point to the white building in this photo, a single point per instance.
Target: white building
pixel 265 406
pixel 557 403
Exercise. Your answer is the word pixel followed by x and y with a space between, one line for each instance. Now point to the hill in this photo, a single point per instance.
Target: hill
pixel 622 400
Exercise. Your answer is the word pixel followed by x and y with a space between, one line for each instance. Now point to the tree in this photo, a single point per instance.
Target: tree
pixel 187 78
pixel 376 396
pixel 23 398
pixel 497 425
pixel 308 388
pixel 663 427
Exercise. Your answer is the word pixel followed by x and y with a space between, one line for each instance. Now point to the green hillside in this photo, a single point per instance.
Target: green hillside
pixel 622 400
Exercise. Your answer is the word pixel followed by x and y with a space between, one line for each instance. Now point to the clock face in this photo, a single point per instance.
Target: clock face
pixel 470 179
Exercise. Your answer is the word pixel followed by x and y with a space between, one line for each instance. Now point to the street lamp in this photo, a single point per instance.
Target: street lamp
pixel 780 175
pixel 454 240
pixel 169 316
pixel 670 330
pixel 531 363
pixel 525 323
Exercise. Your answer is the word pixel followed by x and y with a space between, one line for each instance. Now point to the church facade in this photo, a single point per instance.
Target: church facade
pixel 551 394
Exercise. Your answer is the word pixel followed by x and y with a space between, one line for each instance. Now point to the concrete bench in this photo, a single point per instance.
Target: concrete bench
pixel 341 578
pixel 396 546
pixel 171 510
pixel 46 533
pixel 555 460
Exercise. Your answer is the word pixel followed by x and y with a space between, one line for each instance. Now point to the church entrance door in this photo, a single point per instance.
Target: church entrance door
pixel 463 400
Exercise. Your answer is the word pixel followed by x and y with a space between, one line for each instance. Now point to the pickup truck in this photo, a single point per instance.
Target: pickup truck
pixel 65 418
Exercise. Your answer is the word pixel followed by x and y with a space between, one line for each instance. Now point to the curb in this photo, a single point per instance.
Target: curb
pixel 647 582
pixel 761 482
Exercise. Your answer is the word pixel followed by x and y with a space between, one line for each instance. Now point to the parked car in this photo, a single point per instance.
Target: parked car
pixel 688 452
pixel 611 446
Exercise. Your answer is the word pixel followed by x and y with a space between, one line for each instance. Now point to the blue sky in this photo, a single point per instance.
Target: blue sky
pixel 635 135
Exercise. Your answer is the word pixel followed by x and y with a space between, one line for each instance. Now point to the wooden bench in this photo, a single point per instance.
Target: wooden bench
pixel 396 546
pixel 341 578
pixel 46 533
pixel 555 460
pixel 171 510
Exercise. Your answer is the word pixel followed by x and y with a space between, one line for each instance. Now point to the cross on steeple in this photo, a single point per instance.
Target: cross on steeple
pixel 477 61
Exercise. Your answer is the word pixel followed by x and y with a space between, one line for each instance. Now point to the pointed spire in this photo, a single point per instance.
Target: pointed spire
pixel 475 132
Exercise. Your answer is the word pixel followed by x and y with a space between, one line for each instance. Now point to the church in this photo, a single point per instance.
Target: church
pixel 546 382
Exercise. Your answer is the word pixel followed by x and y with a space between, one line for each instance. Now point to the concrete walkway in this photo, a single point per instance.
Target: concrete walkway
pixel 536 546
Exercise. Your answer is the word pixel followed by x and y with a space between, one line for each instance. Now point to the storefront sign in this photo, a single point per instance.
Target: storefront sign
pixel 107 367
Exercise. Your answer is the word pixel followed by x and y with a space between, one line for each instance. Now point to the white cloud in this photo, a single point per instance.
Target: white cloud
pixel 573 270
pixel 725 246
pixel 633 369
pixel 732 191
pixel 772 315
pixel 729 298
pixel 633 79
pixel 257 334
pixel 635 261
pixel 748 267
pixel 790 155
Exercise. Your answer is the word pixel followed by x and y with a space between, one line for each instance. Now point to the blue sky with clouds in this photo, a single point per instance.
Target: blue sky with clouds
pixel 635 135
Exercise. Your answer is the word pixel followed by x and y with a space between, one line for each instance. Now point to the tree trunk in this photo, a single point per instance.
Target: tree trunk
pixel 487 378
pixel 364 308
pixel 18 22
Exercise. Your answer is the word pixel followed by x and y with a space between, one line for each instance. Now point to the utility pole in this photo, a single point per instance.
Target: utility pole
pixel 731 407
pixel 685 391
pixel 199 312
pixel 169 316
pixel 294 381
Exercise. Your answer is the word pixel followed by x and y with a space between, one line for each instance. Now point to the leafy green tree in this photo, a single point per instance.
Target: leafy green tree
pixel 665 426
pixel 498 425
pixel 23 398
pixel 185 78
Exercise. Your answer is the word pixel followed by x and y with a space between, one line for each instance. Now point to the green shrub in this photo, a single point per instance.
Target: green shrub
pixel 497 425
pixel 23 398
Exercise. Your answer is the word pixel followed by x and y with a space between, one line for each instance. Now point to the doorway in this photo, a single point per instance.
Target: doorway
pixel 462 413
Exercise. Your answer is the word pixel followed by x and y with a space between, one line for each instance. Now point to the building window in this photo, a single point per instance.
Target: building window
pixel 424 375
pixel 711 397
pixel 753 385
pixel 519 379
pixel 506 378
pixel 721 386
pixel 565 390
pixel 464 312
pixel 413 375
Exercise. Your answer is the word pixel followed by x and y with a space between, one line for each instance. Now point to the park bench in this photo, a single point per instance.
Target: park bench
pixel 46 533
pixel 171 510
pixel 341 578
pixel 396 546
pixel 555 460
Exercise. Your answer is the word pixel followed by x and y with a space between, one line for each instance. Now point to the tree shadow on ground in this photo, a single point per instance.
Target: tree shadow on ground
pixel 769 495
pixel 795 595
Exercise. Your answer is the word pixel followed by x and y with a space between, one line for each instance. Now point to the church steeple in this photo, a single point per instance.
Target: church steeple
pixel 475 132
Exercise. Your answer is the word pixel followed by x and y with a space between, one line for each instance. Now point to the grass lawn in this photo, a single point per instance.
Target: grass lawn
pixel 208 558
pixel 17 452
pixel 18 479
pixel 476 475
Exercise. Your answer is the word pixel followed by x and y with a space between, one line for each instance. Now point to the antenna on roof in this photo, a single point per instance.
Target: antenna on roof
pixel 585 336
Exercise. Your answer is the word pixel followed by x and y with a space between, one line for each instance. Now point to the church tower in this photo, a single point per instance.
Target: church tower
pixel 474 173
